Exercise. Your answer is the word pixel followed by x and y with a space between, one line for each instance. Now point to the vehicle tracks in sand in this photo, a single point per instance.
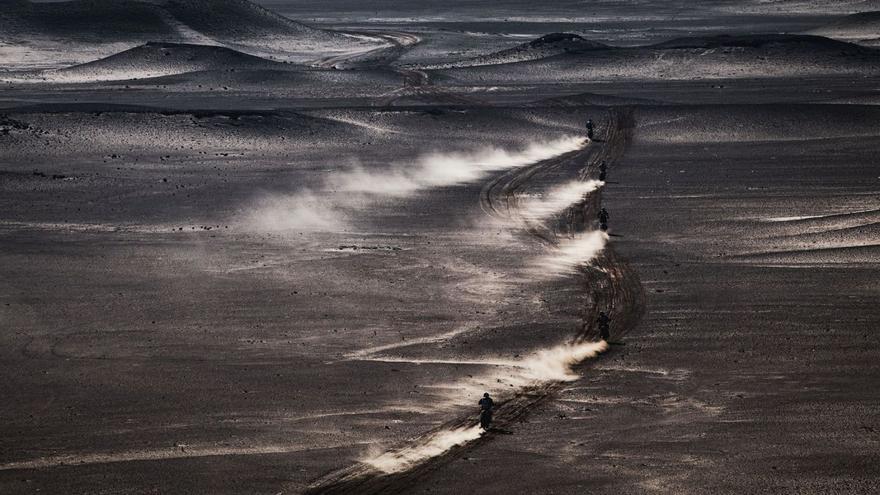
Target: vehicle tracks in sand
pixel 609 282
pixel 398 43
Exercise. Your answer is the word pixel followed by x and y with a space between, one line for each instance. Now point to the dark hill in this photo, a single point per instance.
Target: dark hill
pixel 862 26
pixel 549 45
pixel 161 59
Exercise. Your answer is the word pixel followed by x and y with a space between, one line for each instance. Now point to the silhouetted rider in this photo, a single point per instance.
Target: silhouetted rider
pixel 590 128
pixel 602 170
pixel 603 219
pixel 486 404
pixel 604 326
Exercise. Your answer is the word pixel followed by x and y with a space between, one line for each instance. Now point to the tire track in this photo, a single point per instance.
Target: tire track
pixel 398 43
pixel 610 284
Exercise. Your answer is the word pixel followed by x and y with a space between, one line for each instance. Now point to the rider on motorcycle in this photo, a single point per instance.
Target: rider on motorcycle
pixel 604 326
pixel 486 404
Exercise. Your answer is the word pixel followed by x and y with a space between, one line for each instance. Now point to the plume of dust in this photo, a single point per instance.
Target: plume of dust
pixel 447 169
pixel 305 211
pixel 436 444
pixel 571 254
pixel 539 368
pixel 542 367
pixel 346 192
pixel 558 199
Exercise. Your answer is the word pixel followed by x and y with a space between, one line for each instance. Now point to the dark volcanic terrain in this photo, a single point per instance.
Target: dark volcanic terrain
pixel 286 248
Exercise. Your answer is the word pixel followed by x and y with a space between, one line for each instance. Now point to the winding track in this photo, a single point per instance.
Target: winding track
pixel 398 43
pixel 609 283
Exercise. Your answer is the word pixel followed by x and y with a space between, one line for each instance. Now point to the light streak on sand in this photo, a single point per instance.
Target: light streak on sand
pixel 179 451
pixel 365 353
pixel 793 219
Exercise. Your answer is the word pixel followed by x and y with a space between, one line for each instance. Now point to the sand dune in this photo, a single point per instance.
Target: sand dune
pixel 708 57
pixel 77 31
pixel 159 59
pixel 863 28
pixel 546 46
pixel 750 123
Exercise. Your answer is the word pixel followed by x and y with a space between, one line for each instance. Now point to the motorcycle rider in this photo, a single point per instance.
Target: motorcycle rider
pixel 486 404
pixel 604 326
pixel 603 219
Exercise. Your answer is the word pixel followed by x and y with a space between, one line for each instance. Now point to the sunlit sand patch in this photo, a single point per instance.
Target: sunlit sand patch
pixel 362 124
pixel 792 219
pixel 370 351
pixel 178 451
pixel 677 374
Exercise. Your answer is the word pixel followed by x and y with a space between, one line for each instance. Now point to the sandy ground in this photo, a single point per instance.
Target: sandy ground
pixel 236 275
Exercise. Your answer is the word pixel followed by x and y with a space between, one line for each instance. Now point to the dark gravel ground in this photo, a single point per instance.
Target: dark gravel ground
pixel 745 375
pixel 158 338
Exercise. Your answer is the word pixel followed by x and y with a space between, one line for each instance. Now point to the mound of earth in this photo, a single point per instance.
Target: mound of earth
pixel 236 19
pixel 160 59
pixel 712 57
pixel 765 43
pixel 863 27
pixel 76 31
pixel 546 46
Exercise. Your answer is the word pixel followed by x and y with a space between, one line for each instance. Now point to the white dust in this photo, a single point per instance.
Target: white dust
pixel 434 445
pixel 345 193
pixel 571 254
pixel 542 367
pixel 558 199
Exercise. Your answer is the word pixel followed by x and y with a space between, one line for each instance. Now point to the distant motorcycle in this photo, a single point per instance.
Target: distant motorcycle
pixel 486 404
pixel 603 219
pixel 485 419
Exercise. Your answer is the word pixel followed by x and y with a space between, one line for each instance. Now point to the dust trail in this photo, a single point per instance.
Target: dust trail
pixel 304 211
pixel 436 444
pixel 446 169
pixel 345 193
pixel 538 369
pixel 571 254
pixel 558 199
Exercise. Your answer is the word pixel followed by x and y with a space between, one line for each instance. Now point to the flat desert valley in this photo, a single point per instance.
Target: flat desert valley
pixel 286 247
